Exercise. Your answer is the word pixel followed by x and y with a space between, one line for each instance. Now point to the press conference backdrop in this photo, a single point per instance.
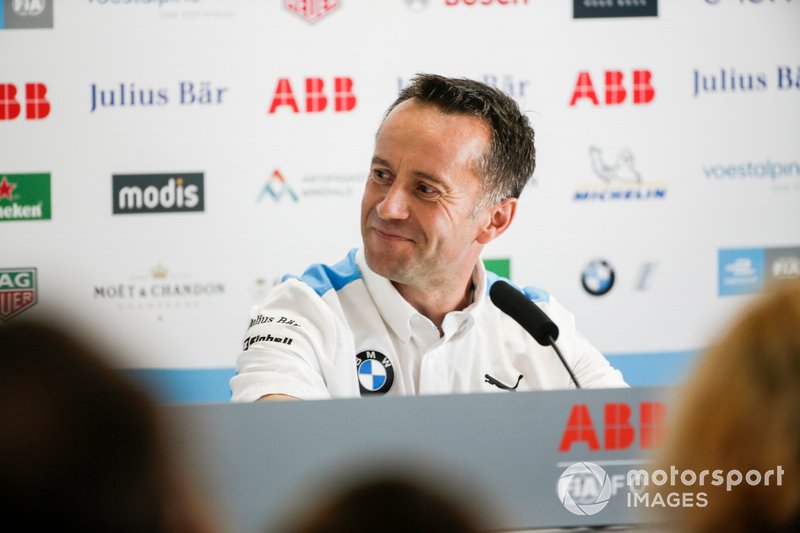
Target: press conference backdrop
pixel 163 163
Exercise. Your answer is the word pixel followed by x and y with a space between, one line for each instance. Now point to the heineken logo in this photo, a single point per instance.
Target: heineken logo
pixel 17 291
pixel 24 197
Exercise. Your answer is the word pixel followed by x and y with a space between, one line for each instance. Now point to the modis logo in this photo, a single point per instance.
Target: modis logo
pixel 615 91
pixel 450 3
pixel 619 432
pixel 37 106
pixel 311 10
pixel 316 101
pixel 157 193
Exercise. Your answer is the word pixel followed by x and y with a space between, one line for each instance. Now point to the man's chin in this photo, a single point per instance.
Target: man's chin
pixel 385 264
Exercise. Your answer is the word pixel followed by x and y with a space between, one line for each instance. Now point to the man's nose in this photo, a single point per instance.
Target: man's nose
pixel 394 205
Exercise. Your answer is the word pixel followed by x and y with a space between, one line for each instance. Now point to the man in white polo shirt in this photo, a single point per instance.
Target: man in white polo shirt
pixel 410 313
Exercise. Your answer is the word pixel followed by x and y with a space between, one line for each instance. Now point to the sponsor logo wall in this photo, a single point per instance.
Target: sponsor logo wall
pixel 666 196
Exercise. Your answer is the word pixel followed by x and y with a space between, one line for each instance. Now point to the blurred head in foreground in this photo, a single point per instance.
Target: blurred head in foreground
pixel 390 504
pixel 740 412
pixel 82 448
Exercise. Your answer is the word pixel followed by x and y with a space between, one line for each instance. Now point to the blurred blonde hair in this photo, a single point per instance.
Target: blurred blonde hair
pixel 741 410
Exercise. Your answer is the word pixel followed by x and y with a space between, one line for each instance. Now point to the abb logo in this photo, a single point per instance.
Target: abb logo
pixel 619 433
pixel 36 104
pixel 615 92
pixel 316 100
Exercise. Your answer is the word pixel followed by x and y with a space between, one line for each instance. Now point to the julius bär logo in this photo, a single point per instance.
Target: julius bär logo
pixel 157 193
pixel 311 10
pixel 316 101
pixel 641 89
pixel 36 104
pixel 24 197
pixel 17 291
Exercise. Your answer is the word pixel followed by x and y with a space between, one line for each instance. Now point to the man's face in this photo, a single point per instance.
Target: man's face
pixel 418 216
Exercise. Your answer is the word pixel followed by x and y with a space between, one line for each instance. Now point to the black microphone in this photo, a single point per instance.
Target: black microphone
pixel 528 315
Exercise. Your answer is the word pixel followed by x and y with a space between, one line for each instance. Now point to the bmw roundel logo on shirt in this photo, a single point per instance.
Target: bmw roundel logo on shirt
pixel 375 373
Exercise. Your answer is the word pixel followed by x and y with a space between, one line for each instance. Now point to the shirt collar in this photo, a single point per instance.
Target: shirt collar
pixel 398 313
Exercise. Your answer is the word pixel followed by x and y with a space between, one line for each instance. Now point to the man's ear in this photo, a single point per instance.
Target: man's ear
pixel 500 219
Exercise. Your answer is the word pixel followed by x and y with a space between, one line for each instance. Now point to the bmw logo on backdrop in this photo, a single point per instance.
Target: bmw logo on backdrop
pixel 598 277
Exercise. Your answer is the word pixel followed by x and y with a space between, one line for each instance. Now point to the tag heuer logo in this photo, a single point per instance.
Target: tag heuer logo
pixel 17 291
pixel 311 10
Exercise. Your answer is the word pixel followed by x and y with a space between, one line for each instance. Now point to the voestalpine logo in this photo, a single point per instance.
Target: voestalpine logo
pixel 311 10
pixel 583 9
pixel 24 197
pixel 17 291
pixel 26 14
pixel 157 193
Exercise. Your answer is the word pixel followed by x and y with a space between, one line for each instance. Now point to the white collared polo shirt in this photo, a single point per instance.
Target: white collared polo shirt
pixel 344 331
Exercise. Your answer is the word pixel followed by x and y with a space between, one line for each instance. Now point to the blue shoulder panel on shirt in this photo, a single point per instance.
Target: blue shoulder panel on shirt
pixel 323 278
pixel 534 294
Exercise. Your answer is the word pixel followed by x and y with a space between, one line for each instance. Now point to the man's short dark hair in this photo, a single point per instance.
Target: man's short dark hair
pixel 510 159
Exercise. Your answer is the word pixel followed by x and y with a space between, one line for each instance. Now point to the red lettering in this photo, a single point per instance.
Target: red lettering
pixel 619 432
pixel 9 106
pixel 36 105
pixel 615 92
pixel 584 89
pixel 643 91
pixel 344 98
pixel 651 424
pixel 284 96
pixel 579 429
pixel 316 100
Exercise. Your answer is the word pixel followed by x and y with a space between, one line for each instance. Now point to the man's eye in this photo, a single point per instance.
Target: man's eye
pixel 380 176
pixel 426 189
